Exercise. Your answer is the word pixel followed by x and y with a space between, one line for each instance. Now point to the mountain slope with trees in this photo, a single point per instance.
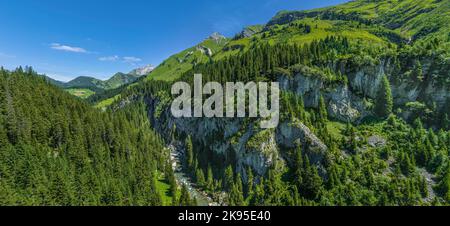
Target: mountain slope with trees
pixel 57 150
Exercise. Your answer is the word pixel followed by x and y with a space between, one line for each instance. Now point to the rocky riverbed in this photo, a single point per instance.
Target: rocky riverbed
pixel 176 155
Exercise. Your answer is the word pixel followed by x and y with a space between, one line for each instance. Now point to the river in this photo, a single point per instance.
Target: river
pixel 183 179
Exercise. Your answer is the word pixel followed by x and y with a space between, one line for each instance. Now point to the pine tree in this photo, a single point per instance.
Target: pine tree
pixel 185 197
pixel 444 185
pixel 298 168
pixel 189 153
pixel 228 178
pixel 236 195
pixel 384 103
pixel 250 182
pixel 171 179
pixel 210 180
pixel 312 182
pixel 323 109
pixel 418 72
pixel 200 176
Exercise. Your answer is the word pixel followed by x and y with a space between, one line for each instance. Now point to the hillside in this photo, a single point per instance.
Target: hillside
pixel 56 150
pixel 376 23
pixel 85 82
pixel 413 19
pixel 181 62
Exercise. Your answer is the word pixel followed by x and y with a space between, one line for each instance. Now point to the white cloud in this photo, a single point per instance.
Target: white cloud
pixel 131 60
pixel 4 55
pixel 109 58
pixel 57 46
pixel 128 59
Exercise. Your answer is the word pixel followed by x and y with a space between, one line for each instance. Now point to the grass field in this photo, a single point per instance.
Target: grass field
pixel 164 189
pixel 81 93
pixel 335 128
pixel 105 103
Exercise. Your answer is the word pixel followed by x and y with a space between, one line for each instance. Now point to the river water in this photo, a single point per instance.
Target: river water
pixel 183 179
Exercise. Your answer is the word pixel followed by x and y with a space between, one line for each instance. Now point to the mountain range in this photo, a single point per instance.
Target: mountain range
pixel 117 80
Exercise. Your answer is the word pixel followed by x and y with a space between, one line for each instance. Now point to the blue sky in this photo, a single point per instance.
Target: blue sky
pixel 69 38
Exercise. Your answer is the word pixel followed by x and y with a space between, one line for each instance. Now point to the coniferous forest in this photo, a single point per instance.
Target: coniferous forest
pixel 57 150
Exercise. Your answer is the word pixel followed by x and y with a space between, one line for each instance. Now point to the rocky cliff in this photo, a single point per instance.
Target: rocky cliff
pixel 243 143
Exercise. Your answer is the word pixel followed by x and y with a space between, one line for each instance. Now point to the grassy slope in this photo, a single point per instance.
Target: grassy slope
pixel 81 93
pixel 164 189
pixel 290 34
pixel 107 102
pixel 174 66
pixel 408 17
pixel 179 63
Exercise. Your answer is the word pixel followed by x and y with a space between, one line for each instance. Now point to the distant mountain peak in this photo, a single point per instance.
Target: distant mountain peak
pixel 142 70
pixel 216 36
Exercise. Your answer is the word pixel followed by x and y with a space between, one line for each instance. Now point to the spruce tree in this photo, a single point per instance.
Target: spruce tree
pixel 228 178
pixel 210 180
pixel 185 197
pixel 250 181
pixel 384 102
pixel 444 185
pixel 323 110
pixel 189 153
pixel 200 176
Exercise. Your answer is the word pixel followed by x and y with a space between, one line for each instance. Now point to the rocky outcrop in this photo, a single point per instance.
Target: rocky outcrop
pixel 205 50
pixel 342 103
pixel 349 102
pixel 217 37
pixel 142 70
pixel 292 135
pixel 250 31
pixel 241 138
pixel 365 80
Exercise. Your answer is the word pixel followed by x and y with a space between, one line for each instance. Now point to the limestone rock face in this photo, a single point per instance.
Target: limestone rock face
pixel 342 104
pixel 251 146
pixel 217 37
pixel 205 50
pixel 367 79
pixel 294 134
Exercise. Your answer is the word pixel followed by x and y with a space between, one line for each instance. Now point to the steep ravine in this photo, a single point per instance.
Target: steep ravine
pixel 176 156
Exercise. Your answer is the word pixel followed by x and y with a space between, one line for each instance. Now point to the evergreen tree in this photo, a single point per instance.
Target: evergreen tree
pixel 298 168
pixel 200 176
pixel 384 103
pixel 210 180
pixel 444 185
pixel 323 113
pixel 228 178
pixel 185 197
pixel 250 182
pixel 171 179
pixel 189 153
